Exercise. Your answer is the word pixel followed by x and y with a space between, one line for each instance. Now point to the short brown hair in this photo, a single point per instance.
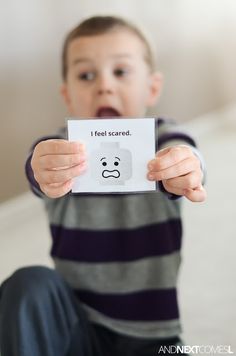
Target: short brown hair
pixel 97 25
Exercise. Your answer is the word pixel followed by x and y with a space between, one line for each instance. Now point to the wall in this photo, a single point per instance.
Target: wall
pixel 196 45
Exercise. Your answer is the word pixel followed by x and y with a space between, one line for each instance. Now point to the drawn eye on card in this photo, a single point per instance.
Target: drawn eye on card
pixel 110 164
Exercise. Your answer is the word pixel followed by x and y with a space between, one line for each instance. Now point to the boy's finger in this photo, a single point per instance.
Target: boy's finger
pixel 196 195
pixel 57 190
pixel 179 169
pixel 163 151
pixel 188 181
pixel 171 189
pixel 53 162
pixel 60 176
pixel 169 157
pixel 59 146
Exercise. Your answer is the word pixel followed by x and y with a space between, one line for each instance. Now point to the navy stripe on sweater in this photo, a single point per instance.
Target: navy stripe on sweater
pixel 116 245
pixel 149 305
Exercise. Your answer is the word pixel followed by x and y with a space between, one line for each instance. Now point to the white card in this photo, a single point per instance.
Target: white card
pixel 118 151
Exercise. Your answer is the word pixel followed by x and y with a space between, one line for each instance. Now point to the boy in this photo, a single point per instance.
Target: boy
pixel 116 256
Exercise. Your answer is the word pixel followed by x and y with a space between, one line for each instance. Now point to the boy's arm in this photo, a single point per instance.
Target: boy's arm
pixel 53 164
pixel 178 166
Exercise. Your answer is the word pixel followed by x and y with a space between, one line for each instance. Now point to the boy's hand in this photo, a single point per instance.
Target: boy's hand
pixel 179 169
pixel 55 163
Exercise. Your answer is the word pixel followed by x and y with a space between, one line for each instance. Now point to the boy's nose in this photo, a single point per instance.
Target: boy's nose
pixel 105 85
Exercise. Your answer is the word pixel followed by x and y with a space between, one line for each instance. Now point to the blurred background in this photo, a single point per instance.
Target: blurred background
pixel 196 47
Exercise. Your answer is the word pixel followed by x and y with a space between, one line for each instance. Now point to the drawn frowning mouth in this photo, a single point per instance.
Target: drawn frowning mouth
pixel 110 174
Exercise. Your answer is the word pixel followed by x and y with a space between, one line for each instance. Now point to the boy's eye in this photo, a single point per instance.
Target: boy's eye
pixel 87 76
pixel 120 72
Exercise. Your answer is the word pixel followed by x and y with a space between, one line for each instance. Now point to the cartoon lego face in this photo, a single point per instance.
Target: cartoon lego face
pixel 110 164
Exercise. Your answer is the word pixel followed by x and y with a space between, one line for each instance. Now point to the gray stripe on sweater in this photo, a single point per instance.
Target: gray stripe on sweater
pixel 152 273
pixel 109 212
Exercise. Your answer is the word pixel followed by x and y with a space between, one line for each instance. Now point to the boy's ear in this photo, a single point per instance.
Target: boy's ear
pixel 156 81
pixel 65 95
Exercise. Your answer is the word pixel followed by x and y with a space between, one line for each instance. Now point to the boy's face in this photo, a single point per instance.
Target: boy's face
pixel 108 76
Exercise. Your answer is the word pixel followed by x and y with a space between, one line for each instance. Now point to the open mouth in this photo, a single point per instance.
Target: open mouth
pixel 111 174
pixel 107 112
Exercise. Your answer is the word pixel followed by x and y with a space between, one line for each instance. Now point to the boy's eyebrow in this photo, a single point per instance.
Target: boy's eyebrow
pixel 86 59
pixel 121 55
pixel 81 60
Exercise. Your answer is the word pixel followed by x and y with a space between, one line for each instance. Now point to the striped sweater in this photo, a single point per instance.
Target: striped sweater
pixel 121 253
